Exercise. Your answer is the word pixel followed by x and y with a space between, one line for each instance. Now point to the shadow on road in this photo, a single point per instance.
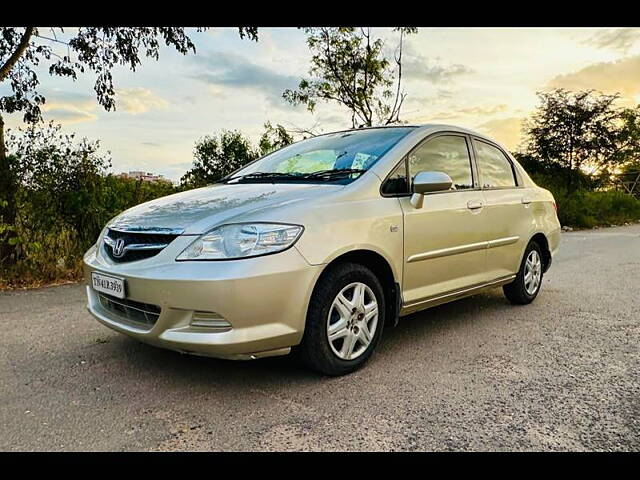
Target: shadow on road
pixel 414 332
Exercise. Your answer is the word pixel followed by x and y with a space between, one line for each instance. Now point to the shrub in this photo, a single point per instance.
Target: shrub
pixel 52 238
pixel 590 209
pixel 64 198
pixel 592 202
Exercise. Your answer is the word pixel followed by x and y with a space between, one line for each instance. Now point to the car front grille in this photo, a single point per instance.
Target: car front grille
pixel 135 245
pixel 141 315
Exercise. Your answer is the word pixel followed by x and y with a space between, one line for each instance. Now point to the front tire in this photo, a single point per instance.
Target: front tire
pixel 524 289
pixel 345 320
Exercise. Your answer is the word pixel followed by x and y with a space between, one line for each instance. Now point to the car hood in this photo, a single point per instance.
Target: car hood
pixel 196 211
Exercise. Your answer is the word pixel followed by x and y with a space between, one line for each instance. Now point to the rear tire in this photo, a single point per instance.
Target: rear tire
pixel 524 289
pixel 345 320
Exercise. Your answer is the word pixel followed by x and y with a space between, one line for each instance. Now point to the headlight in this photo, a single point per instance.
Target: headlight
pixel 242 240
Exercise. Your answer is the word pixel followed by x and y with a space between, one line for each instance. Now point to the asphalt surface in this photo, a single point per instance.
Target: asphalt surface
pixel 476 374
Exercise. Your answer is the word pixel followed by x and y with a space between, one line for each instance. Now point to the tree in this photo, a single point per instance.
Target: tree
pixel 217 156
pixel 220 154
pixel 97 49
pixel 576 130
pixel 628 153
pixel 349 67
pixel 58 181
pixel 274 138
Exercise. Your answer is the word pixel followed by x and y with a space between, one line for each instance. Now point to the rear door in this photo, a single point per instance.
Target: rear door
pixel 507 209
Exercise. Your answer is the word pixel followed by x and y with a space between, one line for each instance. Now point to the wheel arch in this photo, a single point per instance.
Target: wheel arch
pixel 541 239
pixel 379 265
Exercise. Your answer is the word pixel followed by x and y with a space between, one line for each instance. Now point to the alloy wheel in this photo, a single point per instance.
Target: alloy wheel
pixel 532 272
pixel 352 321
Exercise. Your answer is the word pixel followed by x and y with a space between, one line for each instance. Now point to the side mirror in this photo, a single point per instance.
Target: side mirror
pixel 426 182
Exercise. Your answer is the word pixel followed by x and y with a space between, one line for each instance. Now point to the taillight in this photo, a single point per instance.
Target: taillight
pixel 555 206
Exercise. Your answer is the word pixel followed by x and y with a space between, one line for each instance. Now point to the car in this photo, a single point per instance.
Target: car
pixel 317 247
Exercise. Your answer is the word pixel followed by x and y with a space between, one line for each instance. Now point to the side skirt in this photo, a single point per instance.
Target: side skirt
pixel 453 295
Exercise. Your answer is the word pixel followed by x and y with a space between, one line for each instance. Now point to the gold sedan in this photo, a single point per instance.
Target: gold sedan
pixel 318 246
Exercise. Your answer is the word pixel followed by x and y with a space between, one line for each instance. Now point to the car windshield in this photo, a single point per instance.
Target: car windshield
pixel 335 157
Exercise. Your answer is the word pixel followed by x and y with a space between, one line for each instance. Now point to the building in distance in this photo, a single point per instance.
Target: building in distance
pixel 144 176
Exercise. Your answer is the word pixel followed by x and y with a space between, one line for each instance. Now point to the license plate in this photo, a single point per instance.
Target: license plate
pixel 108 284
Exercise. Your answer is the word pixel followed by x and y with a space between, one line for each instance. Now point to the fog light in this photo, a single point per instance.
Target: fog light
pixel 210 320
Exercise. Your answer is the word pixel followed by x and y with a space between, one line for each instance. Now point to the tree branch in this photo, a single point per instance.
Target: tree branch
pixel 13 59
pixel 51 39
pixel 395 111
pixel 366 74
pixel 349 95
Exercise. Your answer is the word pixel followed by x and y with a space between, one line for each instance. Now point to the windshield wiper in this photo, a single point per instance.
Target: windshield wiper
pixel 263 176
pixel 283 176
pixel 334 172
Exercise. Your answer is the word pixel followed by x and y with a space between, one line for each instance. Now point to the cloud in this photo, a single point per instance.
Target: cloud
pixel 456 113
pixel 609 77
pixel 440 96
pixel 418 67
pixel 69 100
pixel 69 116
pixel 231 70
pixel 139 100
pixel 619 39
pixel 505 130
pixel 69 107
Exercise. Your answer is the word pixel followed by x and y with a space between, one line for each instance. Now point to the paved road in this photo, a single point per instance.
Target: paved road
pixel 478 374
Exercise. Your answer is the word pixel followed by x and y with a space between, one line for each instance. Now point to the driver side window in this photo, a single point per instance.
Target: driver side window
pixel 445 153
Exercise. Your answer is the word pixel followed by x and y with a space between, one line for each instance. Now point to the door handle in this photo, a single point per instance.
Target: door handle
pixel 526 200
pixel 474 204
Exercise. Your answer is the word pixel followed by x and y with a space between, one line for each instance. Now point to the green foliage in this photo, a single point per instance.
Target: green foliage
pixel 577 130
pixel 586 209
pixel 273 138
pixel 97 49
pixel 572 131
pixel 554 176
pixel 64 198
pixel 60 179
pixel 589 203
pixel 628 154
pixel 217 156
pixel 349 67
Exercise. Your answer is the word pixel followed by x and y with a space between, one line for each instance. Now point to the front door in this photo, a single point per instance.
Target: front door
pixel 445 239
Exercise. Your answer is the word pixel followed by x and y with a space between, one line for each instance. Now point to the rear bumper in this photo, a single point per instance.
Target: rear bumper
pixel 264 299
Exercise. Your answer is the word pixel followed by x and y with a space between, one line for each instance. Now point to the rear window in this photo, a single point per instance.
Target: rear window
pixel 496 170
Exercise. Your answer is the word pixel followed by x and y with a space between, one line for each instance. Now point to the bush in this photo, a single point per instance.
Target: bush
pixel 52 238
pixel 64 198
pixel 51 243
pixel 591 203
pixel 590 208
pixel 586 209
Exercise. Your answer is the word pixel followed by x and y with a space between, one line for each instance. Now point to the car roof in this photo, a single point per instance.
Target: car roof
pixel 424 127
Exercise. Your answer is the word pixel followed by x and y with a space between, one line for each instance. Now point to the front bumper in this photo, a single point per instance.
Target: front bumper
pixel 264 299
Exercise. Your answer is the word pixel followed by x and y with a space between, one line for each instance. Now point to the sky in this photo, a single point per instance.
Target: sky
pixel 484 79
